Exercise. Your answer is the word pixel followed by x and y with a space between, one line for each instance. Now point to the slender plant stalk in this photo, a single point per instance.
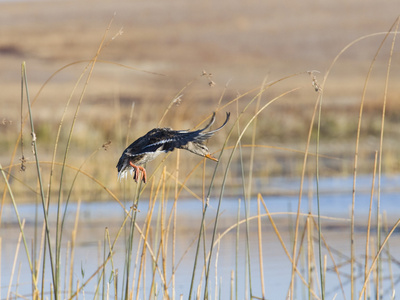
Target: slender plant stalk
pixel 369 222
pixel 237 251
pixel 378 265
pixel 300 196
pixel 109 257
pixel 59 227
pixel 216 270
pixel 377 257
pixel 269 215
pixel 389 256
pixel 20 224
pixel 146 235
pixel 164 233
pixel 335 266
pixel 230 161
pixel 15 260
pixel 260 248
pixel 71 189
pixel 310 232
pixel 130 241
pixel 114 272
pixel 175 225
pixel 73 242
pixel 104 258
pixel 34 149
pixel 309 256
pixel 17 143
pixel 213 177
pixel 247 213
pixel 312 121
pixel 225 178
pixel 300 250
pixel 285 248
pixel 318 202
pixel 140 245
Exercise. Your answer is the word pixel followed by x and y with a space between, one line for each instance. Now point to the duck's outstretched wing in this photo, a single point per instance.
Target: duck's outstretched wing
pixel 180 138
pixel 166 140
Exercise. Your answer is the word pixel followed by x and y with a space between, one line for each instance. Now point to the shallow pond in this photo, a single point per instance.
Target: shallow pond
pixel 228 270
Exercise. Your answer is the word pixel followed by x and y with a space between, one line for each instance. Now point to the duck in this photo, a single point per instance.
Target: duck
pixel 163 140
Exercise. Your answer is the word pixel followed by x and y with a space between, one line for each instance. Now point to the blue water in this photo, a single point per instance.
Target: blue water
pixel 335 201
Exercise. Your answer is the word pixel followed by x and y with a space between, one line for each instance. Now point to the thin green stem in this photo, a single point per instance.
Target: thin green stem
pixel 34 147
pixel 321 274
pixel 228 167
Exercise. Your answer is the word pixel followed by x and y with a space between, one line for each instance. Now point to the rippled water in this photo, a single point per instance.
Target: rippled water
pixel 335 197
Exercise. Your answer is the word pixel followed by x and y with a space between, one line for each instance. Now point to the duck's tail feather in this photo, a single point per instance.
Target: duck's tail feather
pixel 228 114
pixel 202 136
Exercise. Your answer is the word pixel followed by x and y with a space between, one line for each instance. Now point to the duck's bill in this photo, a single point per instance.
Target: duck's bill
pixel 209 156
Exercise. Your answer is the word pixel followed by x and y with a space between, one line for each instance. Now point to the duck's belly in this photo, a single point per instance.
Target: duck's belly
pixel 148 157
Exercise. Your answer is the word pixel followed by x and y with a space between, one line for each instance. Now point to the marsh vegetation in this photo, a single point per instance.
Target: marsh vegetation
pixel 258 224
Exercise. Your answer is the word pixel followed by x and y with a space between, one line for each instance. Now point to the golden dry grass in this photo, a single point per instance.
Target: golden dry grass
pixel 285 106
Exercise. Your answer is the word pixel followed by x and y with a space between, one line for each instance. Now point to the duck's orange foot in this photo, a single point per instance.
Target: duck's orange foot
pixel 137 169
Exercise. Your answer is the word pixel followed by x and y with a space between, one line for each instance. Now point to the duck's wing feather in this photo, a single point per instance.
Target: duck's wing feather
pixel 166 139
pixel 150 142
pixel 172 139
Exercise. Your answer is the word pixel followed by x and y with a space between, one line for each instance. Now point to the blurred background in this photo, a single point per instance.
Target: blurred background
pixel 189 59
pixel 208 53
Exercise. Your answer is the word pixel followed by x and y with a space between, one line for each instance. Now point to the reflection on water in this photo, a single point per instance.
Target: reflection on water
pixel 336 199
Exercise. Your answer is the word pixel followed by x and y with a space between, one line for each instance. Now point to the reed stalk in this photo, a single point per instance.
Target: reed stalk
pixel 35 152
pixel 227 168
pixel 394 28
pixel 15 260
pixel 151 272
pixel 59 226
pixel 247 214
pixel 369 221
pixel 260 249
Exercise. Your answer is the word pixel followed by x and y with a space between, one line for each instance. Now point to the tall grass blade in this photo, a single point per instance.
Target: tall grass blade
pixel 279 236
pixel 213 177
pixel 59 227
pixel 310 251
pixel 237 252
pixel 335 266
pixel 260 248
pixel 20 224
pixel 228 166
pixel 389 257
pixel 73 242
pixel 15 260
pixel 322 281
pixel 369 221
pixel 374 261
pixel 306 153
pixel 247 214
pixel 389 65
pixel 130 242
pixel 35 152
